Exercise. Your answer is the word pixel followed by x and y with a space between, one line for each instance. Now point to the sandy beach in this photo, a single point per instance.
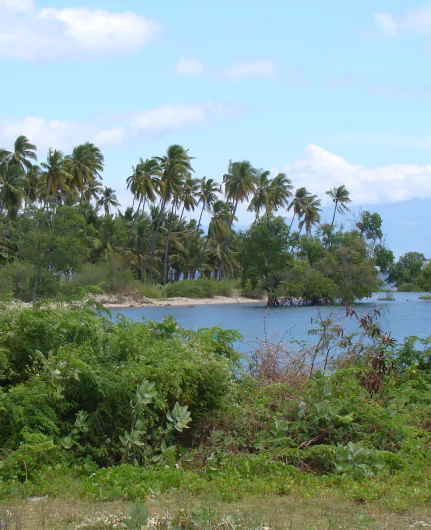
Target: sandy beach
pixel 124 301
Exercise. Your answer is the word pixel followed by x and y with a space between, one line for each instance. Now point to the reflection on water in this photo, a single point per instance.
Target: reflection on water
pixel 406 315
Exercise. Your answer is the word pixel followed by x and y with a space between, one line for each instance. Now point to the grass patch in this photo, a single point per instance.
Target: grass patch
pixel 294 511
pixel 386 298
pixel 425 297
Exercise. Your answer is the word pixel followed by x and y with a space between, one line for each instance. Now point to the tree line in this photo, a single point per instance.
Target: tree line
pixel 59 219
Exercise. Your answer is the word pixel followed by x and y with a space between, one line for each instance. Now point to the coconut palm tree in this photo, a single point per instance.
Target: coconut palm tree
pixel 84 166
pixel 12 187
pixel 92 191
pixel 107 200
pixel 340 198
pixel 298 203
pixel 31 186
pixel 261 197
pixel 279 192
pixel 189 195
pixel 239 183
pixel 22 154
pixel 207 196
pixel 143 183
pixel 55 178
pixel 218 229
pixel 175 167
pixel 311 214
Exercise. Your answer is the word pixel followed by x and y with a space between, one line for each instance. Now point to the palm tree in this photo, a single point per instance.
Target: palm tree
pixel 239 183
pixel 143 183
pixel 218 229
pixel 207 196
pixel 92 191
pixel 340 197
pixel 23 153
pixel 84 166
pixel 279 193
pixel 32 179
pixel 55 177
pixel 175 167
pixel 107 200
pixel 311 214
pixel 189 195
pixel 261 197
pixel 298 203
pixel 12 187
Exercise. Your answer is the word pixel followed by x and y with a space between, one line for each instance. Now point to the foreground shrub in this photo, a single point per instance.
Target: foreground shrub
pixel 126 408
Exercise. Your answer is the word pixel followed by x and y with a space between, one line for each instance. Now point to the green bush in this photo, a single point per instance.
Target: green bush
pixel 16 281
pixel 103 390
pixel 140 405
pixel 248 291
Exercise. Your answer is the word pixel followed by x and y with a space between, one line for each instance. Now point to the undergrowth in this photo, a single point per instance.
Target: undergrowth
pixel 104 410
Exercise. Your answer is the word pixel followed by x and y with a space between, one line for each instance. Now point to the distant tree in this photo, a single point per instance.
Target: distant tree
pixel 264 255
pixel 208 195
pixel 108 200
pixel 52 241
pixel 298 203
pixel 405 273
pixel 340 197
pixel 370 226
pixel 424 279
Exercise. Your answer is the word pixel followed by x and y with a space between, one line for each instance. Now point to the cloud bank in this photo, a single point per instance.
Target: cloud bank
pixel 416 21
pixel 33 34
pixel 321 170
pixel 149 124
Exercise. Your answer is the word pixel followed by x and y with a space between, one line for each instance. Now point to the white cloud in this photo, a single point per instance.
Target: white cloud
pixel 189 66
pixel 17 5
pixel 149 124
pixel 416 20
pixel 322 170
pixel 256 68
pixel 387 23
pixel 44 34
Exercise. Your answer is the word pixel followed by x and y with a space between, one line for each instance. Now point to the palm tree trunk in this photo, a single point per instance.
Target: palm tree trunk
pixel 154 242
pixel 201 255
pixel 165 262
pixel 333 217
pixel 221 275
pixel 293 218
pixel 200 217
pixel 132 227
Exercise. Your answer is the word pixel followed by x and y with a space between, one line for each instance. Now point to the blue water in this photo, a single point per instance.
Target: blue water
pixel 406 315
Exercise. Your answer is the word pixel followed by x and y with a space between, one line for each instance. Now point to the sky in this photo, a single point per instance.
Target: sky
pixel 329 92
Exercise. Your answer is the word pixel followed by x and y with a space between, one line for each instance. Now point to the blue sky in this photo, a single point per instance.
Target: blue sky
pixel 330 92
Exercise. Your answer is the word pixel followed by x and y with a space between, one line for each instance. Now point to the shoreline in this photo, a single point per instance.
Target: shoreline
pixel 124 302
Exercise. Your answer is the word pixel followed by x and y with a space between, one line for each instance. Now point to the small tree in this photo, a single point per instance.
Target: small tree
pixel 264 255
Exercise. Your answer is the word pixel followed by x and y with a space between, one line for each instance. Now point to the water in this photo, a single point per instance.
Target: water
pixel 406 315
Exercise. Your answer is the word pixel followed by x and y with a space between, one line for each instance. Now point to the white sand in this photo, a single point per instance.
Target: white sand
pixel 123 301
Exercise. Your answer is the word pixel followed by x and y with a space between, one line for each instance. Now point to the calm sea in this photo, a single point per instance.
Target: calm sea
pixel 406 315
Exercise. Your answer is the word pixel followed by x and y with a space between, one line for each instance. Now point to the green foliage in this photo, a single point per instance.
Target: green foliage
pixel 264 254
pixel 424 279
pixel 128 409
pixel 407 271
